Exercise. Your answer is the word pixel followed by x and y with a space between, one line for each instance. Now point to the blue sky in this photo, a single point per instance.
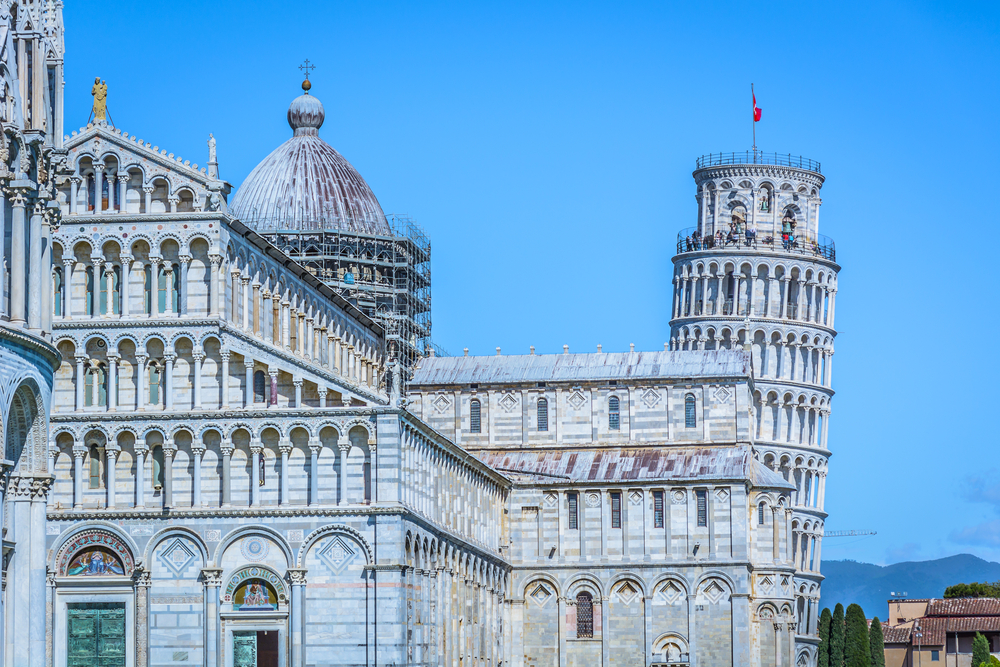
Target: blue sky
pixel 547 149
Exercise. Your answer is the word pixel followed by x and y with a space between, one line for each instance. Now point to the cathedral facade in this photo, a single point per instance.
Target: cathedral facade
pixel 217 455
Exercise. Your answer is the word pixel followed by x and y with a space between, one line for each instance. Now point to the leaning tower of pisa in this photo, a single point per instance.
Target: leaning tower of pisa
pixel 756 271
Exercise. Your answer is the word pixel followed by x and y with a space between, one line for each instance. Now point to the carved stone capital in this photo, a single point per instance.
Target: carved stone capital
pixel 297 576
pixel 211 576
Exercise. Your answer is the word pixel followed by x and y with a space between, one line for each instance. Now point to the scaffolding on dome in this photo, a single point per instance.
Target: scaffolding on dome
pixel 386 277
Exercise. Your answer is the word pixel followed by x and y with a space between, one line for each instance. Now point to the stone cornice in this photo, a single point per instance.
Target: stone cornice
pixel 35 343
pixel 758 171
pixel 734 254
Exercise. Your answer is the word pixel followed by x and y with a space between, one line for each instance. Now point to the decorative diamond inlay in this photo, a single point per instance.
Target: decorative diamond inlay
pixel 177 556
pixel 541 594
pixel 441 403
pixel 577 400
pixel 338 554
pixel 722 494
pixel 722 394
pixel 668 593
pixel 635 498
pixel 650 398
pixel 508 403
pixel 550 499
pixel 627 593
pixel 713 592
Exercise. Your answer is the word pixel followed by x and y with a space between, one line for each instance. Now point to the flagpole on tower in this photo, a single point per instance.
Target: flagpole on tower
pixel 753 122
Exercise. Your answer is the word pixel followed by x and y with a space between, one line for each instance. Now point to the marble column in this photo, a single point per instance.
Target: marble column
pixel 273 373
pixel 18 254
pixel 182 289
pixel 168 473
pixel 74 193
pixel 125 290
pixel 245 301
pixel 322 391
pixel 147 191
pixel 213 284
pixel 198 358
pixel 112 382
pixel 98 188
pixel 227 473
pixel 344 449
pixel 224 380
pixel 198 451
pixel 248 391
pixel 297 577
pixel 143 385
pixel 168 281
pixel 256 452
pixel 142 582
pixel 111 453
pixel 81 381
pixel 298 391
pixel 68 265
pixel 314 474
pixel 285 446
pixel 141 452
pixel 168 381
pixel 79 451
pixel 212 578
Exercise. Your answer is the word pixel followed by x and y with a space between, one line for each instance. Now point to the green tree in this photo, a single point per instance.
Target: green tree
pixel 974 590
pixel 980 651
pixel 837 637
pixel 825 620
pixel 877 642
pixel 857 646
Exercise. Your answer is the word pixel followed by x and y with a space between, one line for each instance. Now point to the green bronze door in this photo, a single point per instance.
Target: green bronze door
pixel 96 635
pixel 244 649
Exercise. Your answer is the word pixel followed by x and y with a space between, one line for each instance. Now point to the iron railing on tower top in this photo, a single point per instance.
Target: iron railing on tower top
pixel 688 240
pixel 757 157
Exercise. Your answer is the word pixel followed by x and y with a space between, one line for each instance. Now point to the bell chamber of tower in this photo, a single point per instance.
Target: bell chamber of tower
pixel 755 271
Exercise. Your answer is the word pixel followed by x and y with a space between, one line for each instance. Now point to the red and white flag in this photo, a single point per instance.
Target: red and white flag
pixel 756 109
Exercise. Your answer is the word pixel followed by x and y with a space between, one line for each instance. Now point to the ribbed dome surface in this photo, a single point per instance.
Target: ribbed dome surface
pixel 306 184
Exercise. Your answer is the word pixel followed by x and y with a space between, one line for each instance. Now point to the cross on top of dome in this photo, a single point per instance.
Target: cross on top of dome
pixel 307 67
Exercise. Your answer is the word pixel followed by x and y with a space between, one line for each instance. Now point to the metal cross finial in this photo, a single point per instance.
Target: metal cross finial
pixel 306 67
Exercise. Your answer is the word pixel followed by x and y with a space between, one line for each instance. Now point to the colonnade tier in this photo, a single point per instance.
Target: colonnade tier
pixel 803 292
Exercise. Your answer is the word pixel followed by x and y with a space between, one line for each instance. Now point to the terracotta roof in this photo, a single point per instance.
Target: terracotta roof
pixel 617 465
pixel 895 635
pixel 933 629
pixel 512 369
pixel 964 607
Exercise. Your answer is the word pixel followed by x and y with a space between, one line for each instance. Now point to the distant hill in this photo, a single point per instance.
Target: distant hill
pixel 869 585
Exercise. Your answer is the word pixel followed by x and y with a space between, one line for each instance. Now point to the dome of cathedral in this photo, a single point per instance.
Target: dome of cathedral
pixel 305 184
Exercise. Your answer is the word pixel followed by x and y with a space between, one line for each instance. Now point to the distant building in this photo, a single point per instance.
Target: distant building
pixel 939 632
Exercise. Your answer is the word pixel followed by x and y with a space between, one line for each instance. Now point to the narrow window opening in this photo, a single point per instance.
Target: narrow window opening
pixel 543 414
pixel 658 509
pixel 616 510
pixel 574 504
pixel 690 416
pixel 614 415
pixel 760 514
pixel 95 468
pixel 475 416
pixel 702 497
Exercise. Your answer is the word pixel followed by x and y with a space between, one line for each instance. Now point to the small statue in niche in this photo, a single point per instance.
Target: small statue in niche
pixel 211 147
pixel 765 200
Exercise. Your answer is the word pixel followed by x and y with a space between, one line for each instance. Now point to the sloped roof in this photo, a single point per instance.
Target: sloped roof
pixel 964 607
pixel 627 464
pixel 896 635
pixel 513 369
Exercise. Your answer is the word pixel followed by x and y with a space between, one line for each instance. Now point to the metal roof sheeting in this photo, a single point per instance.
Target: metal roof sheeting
pixel 620 465
pixel 513 369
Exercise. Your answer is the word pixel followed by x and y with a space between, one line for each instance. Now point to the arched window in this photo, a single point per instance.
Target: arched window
pixel 95 468
pixel 175 289
pixel 155 378
pixel 475 416
pixel 158 468
pixel 690 416
pixel 760 514
pixel 161 290
pixel 95 388
pixel 91 198
pixel 543 414
pixel 258 387
pixel 584 616
pixel 614 415
pixel 57 288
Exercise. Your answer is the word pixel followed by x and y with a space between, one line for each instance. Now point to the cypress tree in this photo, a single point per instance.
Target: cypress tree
pixel 877 643
pixel 837 637
pixel 980 651
pixel 825 619
pixel 857 646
